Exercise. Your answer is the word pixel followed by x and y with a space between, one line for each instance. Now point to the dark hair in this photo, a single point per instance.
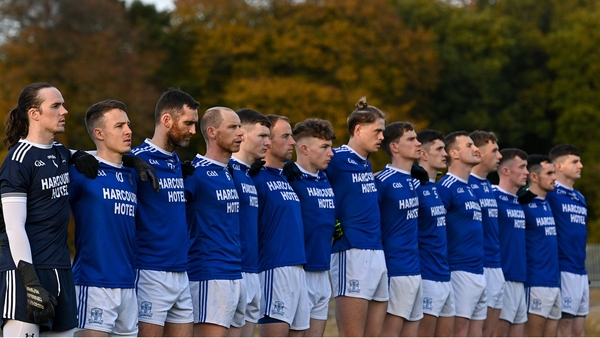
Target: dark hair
pixel 250 116
pixel 363 114
pixel 563 149
pixel 451 139
pixel 535 161
pixel 314 128
pixel 428 136
pixel 171 102
pixel 97 111
pixel 17 122
pixel 509 154
pixel 274 118
pixel 481 138
pixel 392 133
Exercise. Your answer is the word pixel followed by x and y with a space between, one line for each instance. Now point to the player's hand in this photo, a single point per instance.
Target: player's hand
pixel 256 167
pixel 291 171
pixel 40 303
pixel 419 173
pixel 338 232
pixel 187 169
pixel 146 171
pixel 525 196
pixel 85 163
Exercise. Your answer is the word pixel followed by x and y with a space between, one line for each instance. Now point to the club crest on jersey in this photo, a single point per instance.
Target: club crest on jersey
pixel 427 303
pixel 119 177
pixel 354 286
pixel 278 308
pixel 536 304
pixel 39 163
pixel 95 316
pixel 145 309
pixel 486 188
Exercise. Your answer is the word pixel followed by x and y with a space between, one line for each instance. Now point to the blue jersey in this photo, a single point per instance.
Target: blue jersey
pixel 318 216
pixel 570 213
pixel 542 247
pixel 41 173
pixel 511 224
pixel 162 237
pixel 280 229
pixel 248 215
pixel 353 183
pixel 463 224
pixel 104 211
pixel 489 210
pixel 213 219
pixel 433 246
pixel 399 209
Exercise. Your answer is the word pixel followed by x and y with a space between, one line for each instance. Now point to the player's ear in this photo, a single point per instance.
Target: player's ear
pixel 98 134
pixel 167 120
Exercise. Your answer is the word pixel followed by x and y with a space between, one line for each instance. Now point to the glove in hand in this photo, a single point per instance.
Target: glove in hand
pixel 291 171
pixel 85 163
pixel 40 303
pixel 145 170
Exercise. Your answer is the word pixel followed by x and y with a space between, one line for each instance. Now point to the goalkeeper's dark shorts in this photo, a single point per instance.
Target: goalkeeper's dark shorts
pixel 58 282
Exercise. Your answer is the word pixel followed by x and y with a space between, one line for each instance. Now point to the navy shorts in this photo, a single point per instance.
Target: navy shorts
pixel 59 282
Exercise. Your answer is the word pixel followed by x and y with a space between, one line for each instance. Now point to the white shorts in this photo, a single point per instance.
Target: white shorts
pixel 494 291
pixel 438 298
pixel 575 293
pixel 406 297
pixel 319 293
pixel 163 297
pixel 107 310
pixel 253 295
pixel 543 301
pixel 514 308
pixel 469 295
pixel 285 296
pixel 360 273
pixel 219 302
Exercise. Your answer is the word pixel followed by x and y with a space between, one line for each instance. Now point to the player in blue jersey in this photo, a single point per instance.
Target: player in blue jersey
pixel 487 143
pixel 438 297
pixel 570 213
pixel 465 235
pixel 358 271
pixel 280 241
pixel 512 171
pixel 399 209
pixel 36 282
pixel 214 259
pixel 313 152
pixel 543 276
pixel 245 163
pixel 162 237
pixel 104 212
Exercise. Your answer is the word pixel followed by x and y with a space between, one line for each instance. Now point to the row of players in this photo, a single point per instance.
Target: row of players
pixel 260 235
